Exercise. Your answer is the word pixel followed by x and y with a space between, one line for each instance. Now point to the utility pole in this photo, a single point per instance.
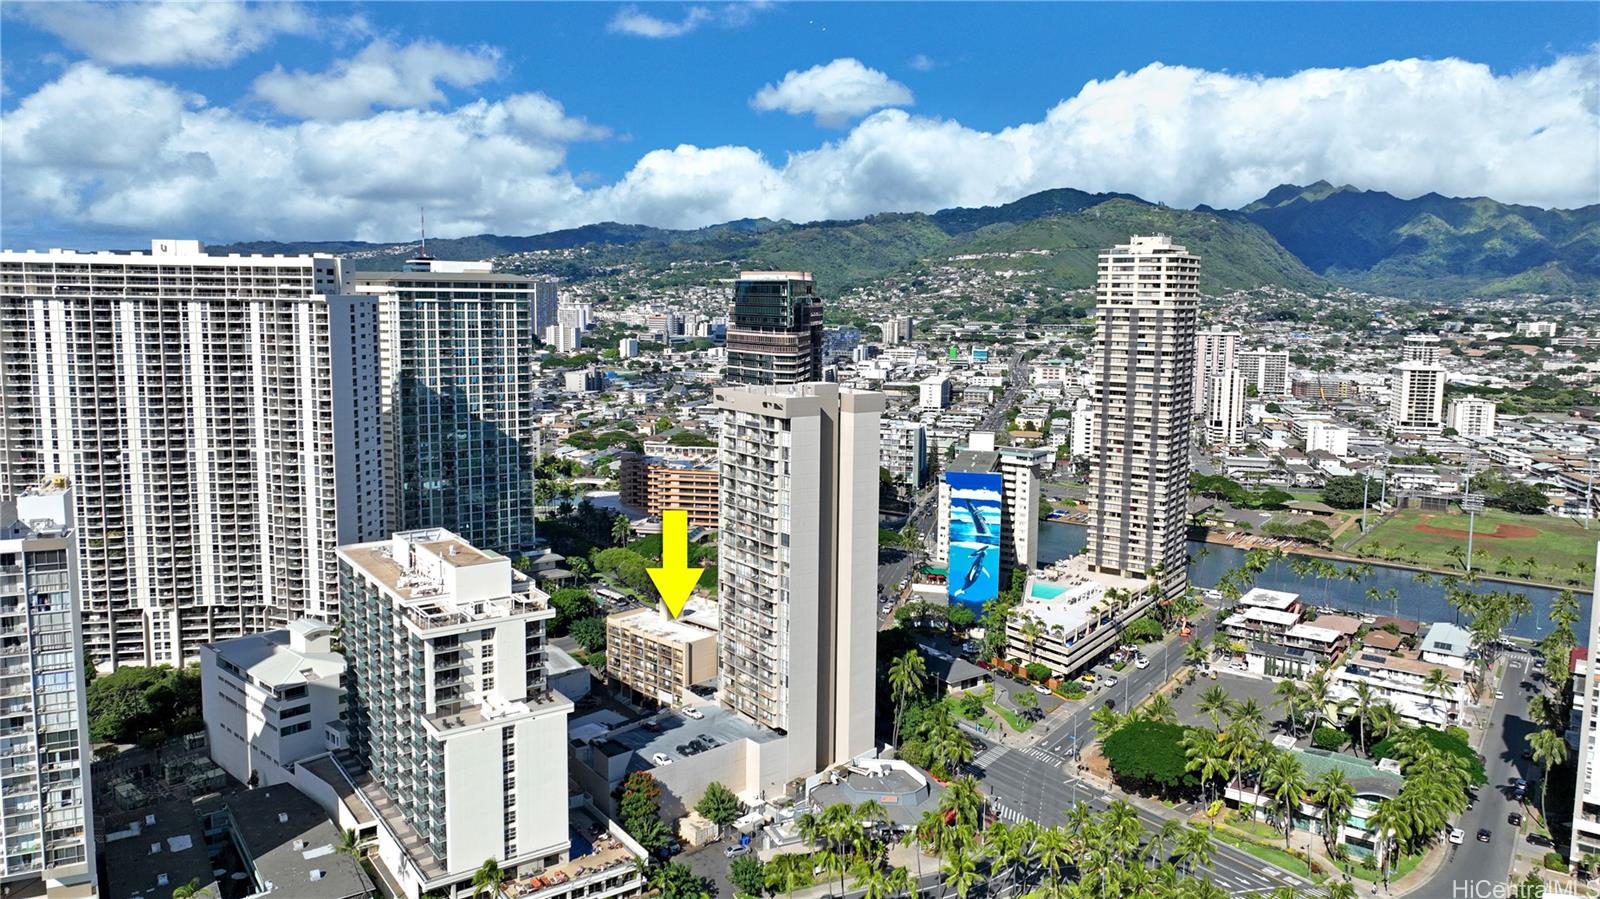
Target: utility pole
pixel 1473 504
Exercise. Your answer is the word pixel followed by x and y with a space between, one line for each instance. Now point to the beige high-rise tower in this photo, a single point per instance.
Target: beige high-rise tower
pixel 1147 295
pixel 797 565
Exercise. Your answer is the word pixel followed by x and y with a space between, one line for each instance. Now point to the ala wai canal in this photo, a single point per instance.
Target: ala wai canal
pixel 1423 602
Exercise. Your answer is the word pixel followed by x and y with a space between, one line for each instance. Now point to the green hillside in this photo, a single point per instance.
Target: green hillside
pixel 1433 245
pixel 1306 238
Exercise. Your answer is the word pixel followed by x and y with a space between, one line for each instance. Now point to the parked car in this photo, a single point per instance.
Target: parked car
pixel 1499 693
pixel 661 758
pixel 1540 840
pixel 1514 819
pixel 1141 663
pixel 1111 680
pixel 1457 835
pixel 694 713
pixel 1483 835
pixel 1041 688
pixel 736 850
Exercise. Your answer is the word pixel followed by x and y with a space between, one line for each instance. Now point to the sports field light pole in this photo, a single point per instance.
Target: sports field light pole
pixel 1472 504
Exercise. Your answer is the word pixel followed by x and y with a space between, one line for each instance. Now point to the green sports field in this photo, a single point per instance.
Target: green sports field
pixel 1530 547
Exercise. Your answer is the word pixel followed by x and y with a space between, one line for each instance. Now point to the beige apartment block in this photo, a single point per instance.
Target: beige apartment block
pixel 658 657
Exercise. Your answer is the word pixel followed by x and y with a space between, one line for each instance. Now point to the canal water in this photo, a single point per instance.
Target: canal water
pixel 1423 602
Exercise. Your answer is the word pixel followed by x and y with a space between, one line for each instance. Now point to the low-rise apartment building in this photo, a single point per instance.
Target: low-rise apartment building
pixel 1070 616
pixel 659 657
pixel 272 699
pixel 1373 783
pixel 1402 678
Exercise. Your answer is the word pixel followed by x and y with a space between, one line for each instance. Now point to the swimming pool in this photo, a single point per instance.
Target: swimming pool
pixel 1047 591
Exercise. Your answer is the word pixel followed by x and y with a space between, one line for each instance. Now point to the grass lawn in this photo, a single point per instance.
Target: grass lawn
pixel 1503 544
pixel 983 721
pixel 1016 722
pixel 1363 872
pixel 1259 829
pixel 1269 854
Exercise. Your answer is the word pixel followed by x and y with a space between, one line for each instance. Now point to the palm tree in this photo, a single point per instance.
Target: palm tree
pixel 1214 703
pixel 349 843
pixel 906 679
pixel 621 530
pixel 788 872
pixel 961 872
pixel 1340 889
pixel 1337 797
pixel 1318 692
pixel 1195 653
pixel 870 880
pixel 1549 750
pixel 1289 698
pixel 487 880
pixel 1054 853
pixel 898 881
pixel 1105 722
pixel 1285 779
pixel 190 890
pixel 1204 755
pixel 1165 840
pixel 1361 704
pixel 1159 708
pixel 1195 849
pixel 1248 714
pixel 951 749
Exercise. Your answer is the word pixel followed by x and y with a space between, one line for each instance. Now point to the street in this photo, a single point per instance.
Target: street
pixel 1474 862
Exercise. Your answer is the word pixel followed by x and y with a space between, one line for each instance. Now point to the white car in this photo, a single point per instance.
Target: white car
pixel 696 714
pixel 1457 835
pixel 1141 663
pixel 661 758
pixel 1041 689
pixel 1499 694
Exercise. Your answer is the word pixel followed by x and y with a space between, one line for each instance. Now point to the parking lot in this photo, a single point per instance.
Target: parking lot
pixel 1238 688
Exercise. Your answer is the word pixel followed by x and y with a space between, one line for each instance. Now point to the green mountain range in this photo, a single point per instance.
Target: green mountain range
pixel 1305 238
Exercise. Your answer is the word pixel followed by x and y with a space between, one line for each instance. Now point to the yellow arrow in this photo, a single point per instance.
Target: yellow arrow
pixel 675 579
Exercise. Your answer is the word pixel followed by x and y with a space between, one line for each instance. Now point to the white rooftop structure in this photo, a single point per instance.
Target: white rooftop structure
pixel 1261 597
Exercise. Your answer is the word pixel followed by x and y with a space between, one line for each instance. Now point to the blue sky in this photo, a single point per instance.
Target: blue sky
pixel 662 116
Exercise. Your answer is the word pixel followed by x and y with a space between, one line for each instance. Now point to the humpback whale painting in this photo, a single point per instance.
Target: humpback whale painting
pixel 974 573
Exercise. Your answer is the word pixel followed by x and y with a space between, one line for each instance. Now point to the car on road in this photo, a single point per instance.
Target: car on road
pixel 1499 693
pixel 661 758
pixel 736 850
pixel 1111 680
pixel 696 714
pixel 1514 819
pixel 1141 663
pixel 1457 835
pixel 1483 835
pixel 1540 840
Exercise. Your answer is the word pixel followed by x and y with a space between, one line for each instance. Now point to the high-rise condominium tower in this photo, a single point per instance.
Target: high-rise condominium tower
pixel 454 732
pixel 1225 409
pixel 1585 720
pixel 218 418
pixel 458 393
pixel 774 330
pixel 1416 397
pixel 1215 354
pixel 797 552
pixel 44 732
pixel 1266 370
pixel 1143 365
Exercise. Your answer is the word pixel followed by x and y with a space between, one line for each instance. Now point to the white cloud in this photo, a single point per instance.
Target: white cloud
pixel 922 62
pixel 165 33
pixel 1184 136
pixel 632 20
pixel 381 75
pixel 834 93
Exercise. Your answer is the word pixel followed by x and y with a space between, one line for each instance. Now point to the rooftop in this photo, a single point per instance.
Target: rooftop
pixel 156 851
pixel 1363 774
pixel 676 731
pixel 696 623
pixel 1067 594
pixel 1270 599
pixel 1445 638
pixel 292 845
pixel 271 662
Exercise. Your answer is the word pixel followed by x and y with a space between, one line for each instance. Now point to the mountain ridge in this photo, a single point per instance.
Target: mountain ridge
pixel 1305 237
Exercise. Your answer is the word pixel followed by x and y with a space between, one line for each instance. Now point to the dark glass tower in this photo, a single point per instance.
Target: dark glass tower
pixel 775 330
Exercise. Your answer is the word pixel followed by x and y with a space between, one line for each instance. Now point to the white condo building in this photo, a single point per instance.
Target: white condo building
pixel 1225 409
pixel 46 810
pixel 934 392
pixel 1266 370
pixel 1083 428
pixel 273 699
pixel 460 432
pixel 1215 354
pixel 1416 398
pixel 1147 295
pixel 903 450
pixel 1472 416
pixel 1586 792
pixel 1021 470
pixel 797 563
pixel 455 736
pixel 220 420
pixel 1423 348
